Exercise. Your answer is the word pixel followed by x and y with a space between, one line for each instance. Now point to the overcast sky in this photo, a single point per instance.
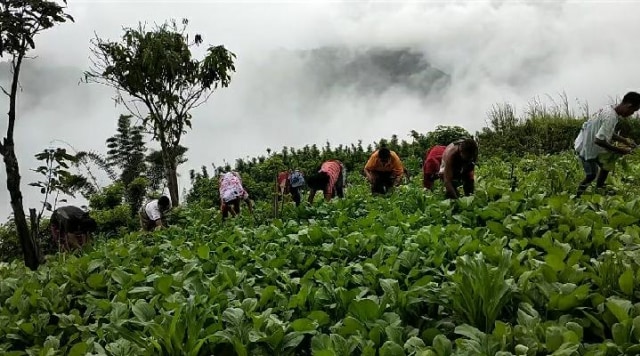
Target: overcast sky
pixel 495 52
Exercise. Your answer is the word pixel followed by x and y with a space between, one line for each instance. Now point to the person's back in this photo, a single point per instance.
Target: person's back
pixel 431 165
pixel 383 170
pixel 392 163
pixel 67 216
pixel 70 227
pixel 152 214
pixel 231 187
pixel 330 179
pixel 601 125
pixel 458 165
pixel 296 179
pixel 231 193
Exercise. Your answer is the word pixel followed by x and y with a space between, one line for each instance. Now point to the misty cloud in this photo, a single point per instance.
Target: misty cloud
pixel 311 72
pixel 41 86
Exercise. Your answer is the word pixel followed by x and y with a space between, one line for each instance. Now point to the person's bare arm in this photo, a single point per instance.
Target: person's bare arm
pixel 624 140
pixel 469 185
pixel 398 168
pixel 371 164
pixel 249 205
pixel 447 176
pixel 369 175
pixel 327 196
pixel 606 145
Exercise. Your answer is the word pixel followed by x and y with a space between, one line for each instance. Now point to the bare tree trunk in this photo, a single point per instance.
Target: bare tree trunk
pixel 35 233
pixel 29 246
pixel 171 172
pixel 7 149
pixel 172 180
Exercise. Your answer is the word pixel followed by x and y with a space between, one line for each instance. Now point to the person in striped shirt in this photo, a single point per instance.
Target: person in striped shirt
pixel 331 179
pixel 384 170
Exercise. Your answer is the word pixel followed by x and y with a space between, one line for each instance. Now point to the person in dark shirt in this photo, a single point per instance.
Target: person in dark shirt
pixel 71 227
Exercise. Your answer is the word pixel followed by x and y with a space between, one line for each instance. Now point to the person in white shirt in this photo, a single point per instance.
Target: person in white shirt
pixel 596 137
pixel 153 213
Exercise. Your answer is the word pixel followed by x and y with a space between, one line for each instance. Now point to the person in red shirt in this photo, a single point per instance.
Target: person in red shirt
pixel 290 182
pixel 454 164
pixel 431 166
pixel 331 178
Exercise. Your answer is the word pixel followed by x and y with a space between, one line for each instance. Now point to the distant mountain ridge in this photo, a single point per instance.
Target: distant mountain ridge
pixel 373 70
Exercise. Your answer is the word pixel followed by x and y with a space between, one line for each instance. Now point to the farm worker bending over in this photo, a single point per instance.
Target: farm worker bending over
pixel 70 227
pixel 331 179
pixel 290 182
pixel 152 214
pixel 231 193
pixel 595 138
pixel 454 164
pixel 383 170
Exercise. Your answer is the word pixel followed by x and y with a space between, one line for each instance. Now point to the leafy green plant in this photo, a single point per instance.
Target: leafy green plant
pixel 500 273
pixel 478 292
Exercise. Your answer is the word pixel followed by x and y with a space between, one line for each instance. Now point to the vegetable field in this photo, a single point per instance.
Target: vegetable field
pixel 525 272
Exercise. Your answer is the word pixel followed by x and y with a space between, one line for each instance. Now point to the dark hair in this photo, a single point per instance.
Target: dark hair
pixel 469 146
pixel 318 181
pixel 632 98
pixel 384 153
pixel 88 224
pixel 164 201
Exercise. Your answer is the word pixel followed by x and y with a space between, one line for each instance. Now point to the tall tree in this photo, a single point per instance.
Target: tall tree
pixel 20 22
pixel 161 80
pixel 155 169
pixel 127 152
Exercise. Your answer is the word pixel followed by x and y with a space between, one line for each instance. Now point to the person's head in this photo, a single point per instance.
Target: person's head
pixel 384 154
pixel 164 203
pixel 318 181
pixel 629 105
pixel 88 224
pixel 469 150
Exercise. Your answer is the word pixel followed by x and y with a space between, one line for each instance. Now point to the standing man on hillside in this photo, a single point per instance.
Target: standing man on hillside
pixel 383 170
pixel 331 179
pixel 454 164
pixel 152 214
pixel 596 137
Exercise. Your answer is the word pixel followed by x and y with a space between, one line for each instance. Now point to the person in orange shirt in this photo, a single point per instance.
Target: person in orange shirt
pixel 383 170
